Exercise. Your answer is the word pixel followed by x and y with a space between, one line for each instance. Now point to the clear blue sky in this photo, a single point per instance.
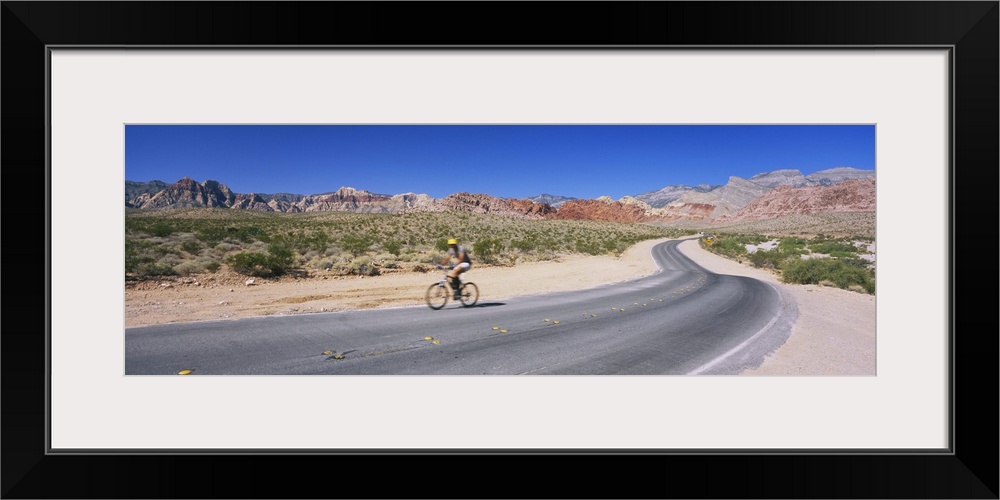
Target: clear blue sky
pixel 508 161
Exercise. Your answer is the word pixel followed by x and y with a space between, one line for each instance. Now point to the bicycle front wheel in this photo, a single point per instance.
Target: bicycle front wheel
pixel 436 296
pixel 470 294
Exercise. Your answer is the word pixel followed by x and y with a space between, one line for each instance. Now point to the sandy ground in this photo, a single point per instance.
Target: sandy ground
pixel 834 334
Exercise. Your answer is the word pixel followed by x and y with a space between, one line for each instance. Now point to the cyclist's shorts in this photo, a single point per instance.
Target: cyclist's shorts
pixel 464 265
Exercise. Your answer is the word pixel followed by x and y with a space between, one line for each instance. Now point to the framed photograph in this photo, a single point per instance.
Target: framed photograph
pixel 921 75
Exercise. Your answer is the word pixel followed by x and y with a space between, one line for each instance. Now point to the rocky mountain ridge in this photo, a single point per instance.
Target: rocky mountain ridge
pixel 768 180
pixel 770 194
pixel 852 195
pixel 552 200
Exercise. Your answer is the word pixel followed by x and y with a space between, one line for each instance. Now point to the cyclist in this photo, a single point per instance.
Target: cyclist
pixel 464 263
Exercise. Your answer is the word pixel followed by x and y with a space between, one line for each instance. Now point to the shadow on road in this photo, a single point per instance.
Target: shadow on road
pixel 481 304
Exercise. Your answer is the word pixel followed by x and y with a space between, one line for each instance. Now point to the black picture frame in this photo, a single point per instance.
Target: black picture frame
pixel 969 28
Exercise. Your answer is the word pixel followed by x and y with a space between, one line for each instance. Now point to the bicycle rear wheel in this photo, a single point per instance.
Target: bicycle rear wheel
pixel 470 294
pixel 436 296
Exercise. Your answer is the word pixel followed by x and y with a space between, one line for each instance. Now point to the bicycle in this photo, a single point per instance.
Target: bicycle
pixel 437 295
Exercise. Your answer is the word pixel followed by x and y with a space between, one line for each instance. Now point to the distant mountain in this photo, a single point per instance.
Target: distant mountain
pixel 550 199
pixel 737 198
pixel 837 175
pixel 710 202
pixel 785 177
pixel 794 178
pixel 720 200
pixel 186 193
pixel 135 189
pixel 662 197
pixel 852 195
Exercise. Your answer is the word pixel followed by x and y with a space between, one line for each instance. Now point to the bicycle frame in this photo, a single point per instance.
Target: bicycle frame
pixel 468 291
pixel 446 280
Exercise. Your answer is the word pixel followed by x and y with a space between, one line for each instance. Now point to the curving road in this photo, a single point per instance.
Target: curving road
pixel 683 320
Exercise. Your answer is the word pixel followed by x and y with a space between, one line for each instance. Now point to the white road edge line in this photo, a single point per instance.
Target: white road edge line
pixel 743 344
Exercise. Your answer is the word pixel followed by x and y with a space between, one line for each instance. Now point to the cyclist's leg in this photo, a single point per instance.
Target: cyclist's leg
pixel 457 272
pixel 459 269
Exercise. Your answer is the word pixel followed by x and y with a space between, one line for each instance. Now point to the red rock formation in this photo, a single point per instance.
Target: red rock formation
pixel 602 210
pixel 532 209
pixel 486 204
pixel 687 211
pixel 345 199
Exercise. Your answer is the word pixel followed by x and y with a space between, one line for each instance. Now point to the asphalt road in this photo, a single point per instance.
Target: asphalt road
pixel 682 320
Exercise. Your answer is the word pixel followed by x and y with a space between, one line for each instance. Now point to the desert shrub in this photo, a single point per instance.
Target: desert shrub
pixel 392 246
pixel 590 247
pixel 224 247
pixel 303 242
pixel 743 239
pixel 792 245
pixel 165 249
pixel 384 257
pixel 358 267
pixel 280 255
pixel 841 274
pixel 188 267
pixel 768 259
pixel 161 229
pixel 613 245
pixel 309 255
pixel 257 246
pixel 841 255
pixel 356 245
pixel 135 255
pixel 277 261
pixel 157 269
pixel 210 235
pixel 548 245
pixel 320 262
pixel 855 261
pixel 806 272
pixel 191 247
pixel 170 259
pixel 142 265
pixel 247 234
pixel 487 249
pixel 831 247
pixel 441 244
pixel 250 263
pixel 524 245
pixel 726 246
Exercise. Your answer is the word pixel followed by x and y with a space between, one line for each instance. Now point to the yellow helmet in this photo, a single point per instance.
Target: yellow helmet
pixel 453 241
